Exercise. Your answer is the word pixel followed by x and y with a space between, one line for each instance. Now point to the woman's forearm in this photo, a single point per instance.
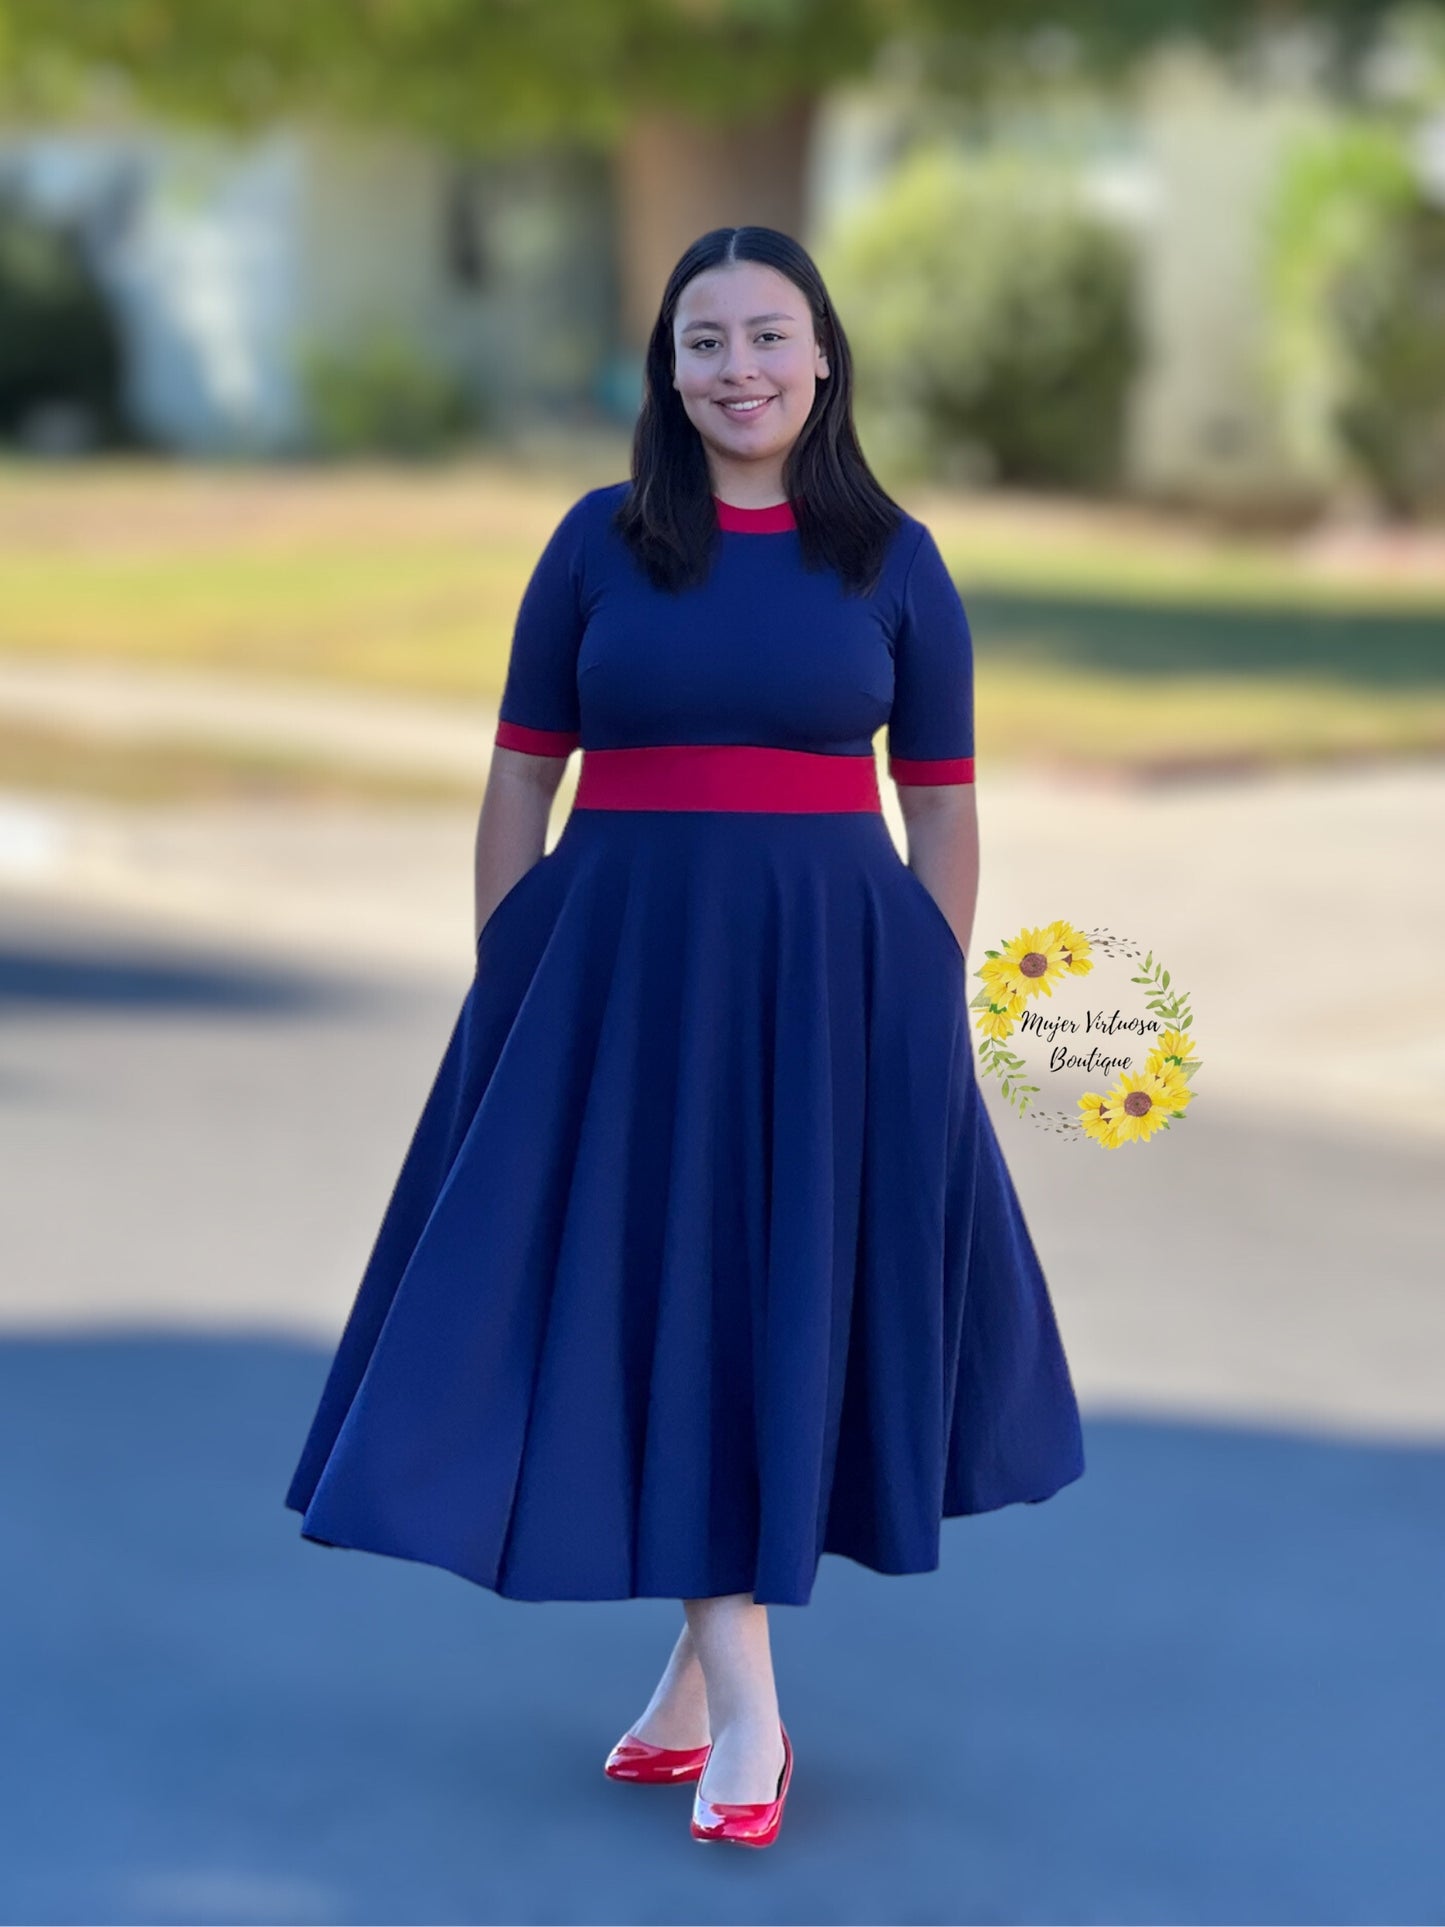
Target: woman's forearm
pixel 512 826
pixel 943 850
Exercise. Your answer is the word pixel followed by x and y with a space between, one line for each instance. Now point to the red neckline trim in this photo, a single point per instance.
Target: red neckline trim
pixel 772 520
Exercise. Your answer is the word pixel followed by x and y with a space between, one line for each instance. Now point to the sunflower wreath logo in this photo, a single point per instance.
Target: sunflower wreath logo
pixel 1139 1102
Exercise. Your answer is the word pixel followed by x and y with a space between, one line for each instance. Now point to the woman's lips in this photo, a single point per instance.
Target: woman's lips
pixel 747 414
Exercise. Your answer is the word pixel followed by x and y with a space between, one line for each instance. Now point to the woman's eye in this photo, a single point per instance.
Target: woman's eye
pixel 709 341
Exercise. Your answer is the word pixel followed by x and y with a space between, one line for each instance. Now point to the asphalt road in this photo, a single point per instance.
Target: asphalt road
pixel 1197 1686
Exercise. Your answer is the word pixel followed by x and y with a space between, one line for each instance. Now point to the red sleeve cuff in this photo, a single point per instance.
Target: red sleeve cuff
pixel 537 742
pixel 946 769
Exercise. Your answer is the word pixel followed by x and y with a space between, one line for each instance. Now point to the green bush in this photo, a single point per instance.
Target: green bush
pixel 59 345
pixel 993 324
pixel 1357 348
pixel 383 397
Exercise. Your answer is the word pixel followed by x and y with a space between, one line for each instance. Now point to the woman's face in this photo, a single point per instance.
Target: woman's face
pixel 744 334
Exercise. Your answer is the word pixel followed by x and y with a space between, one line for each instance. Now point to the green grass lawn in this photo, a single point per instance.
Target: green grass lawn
pixel 1103 636
pixel 36 758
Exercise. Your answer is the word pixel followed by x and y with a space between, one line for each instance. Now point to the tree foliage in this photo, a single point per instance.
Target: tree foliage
pixel 498 73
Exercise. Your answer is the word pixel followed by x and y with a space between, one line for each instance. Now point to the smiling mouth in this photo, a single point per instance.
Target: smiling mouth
pixel 751 406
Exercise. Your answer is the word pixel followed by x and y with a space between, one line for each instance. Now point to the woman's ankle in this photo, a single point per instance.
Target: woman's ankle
pixel 677 1713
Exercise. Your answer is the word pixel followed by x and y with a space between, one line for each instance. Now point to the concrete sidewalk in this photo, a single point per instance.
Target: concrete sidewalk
pixel 355 728
pixel 1293 908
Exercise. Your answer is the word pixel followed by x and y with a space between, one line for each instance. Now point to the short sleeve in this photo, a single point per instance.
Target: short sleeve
pixel 930 727
pixel 539 711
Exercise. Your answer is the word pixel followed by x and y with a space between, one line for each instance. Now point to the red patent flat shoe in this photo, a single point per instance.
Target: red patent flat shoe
pixel 745 1823
pixel 635 1759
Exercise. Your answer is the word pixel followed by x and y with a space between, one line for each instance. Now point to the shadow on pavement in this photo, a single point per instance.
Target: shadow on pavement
pixel 1196 1686
pixel 59 975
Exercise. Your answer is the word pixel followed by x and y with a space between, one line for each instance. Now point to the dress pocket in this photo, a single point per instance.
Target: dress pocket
pixel 505 903
pixel 930 903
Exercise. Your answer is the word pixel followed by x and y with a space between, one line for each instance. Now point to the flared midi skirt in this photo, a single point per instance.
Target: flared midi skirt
pixel 704 1259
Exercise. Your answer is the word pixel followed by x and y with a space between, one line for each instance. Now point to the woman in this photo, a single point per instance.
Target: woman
pixel 704 1260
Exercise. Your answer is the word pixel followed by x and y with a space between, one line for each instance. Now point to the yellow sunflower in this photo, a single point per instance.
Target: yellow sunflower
pixel 1177 1044
pixel 1033 961
pixel 1078 952
pixel 1098 1120
pixel 995 1022
pixel 998 980
pixel 1142 1101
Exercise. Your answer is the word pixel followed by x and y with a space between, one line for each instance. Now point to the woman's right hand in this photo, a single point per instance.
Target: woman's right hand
pixel 512 826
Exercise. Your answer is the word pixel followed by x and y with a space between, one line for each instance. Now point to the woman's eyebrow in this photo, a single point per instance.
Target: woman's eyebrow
pixel 751 322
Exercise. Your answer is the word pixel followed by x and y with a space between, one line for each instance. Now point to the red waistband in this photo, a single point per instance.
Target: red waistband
pixel 724 776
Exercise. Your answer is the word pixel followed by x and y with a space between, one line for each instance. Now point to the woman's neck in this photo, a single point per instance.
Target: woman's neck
pixel 750 487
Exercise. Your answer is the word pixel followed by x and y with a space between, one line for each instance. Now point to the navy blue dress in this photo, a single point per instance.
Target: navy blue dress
pixel 704 1259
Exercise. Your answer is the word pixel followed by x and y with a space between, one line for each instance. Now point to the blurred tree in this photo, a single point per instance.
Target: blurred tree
pixel 708 102
pixel 1357 345
pixel 1029 381
pixel 60 355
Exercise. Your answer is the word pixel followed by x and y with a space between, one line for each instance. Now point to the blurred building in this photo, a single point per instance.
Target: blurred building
pixel 228 262
pixel 531 280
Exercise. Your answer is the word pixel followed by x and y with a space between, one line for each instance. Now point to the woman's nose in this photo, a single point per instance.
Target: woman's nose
pixel 738 361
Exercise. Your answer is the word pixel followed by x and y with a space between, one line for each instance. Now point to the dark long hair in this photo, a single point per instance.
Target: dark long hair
pixel 845 518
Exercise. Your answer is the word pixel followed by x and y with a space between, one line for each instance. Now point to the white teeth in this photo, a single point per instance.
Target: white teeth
pixel 746 407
